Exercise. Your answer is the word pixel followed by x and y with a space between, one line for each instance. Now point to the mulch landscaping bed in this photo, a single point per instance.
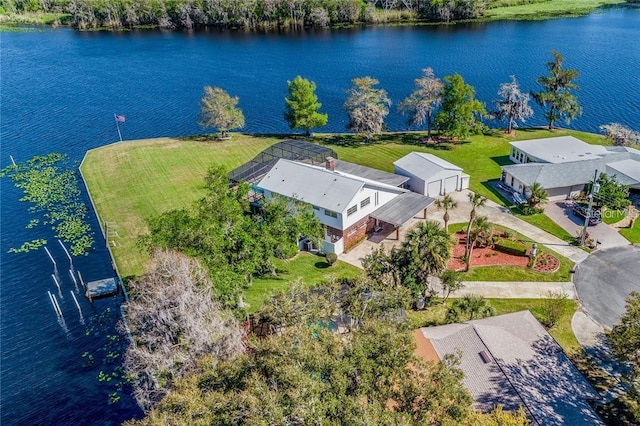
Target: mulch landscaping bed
pixel 487 256
pixel 546 263
pixel 482 256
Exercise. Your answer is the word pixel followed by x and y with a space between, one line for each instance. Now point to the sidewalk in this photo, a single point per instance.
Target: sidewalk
pixel 516 290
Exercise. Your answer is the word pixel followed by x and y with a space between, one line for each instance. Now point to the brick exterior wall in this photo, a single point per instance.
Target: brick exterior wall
pixel 357 232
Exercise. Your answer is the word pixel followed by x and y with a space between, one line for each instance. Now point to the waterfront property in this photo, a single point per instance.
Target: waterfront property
pixel 513 361
pixel 350 205
pixel 563 165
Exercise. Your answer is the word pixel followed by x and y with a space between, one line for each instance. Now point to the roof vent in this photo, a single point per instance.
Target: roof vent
pixel 587 153
pixel 485 357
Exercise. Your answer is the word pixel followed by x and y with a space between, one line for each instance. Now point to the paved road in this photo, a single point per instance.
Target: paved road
pixel 605 279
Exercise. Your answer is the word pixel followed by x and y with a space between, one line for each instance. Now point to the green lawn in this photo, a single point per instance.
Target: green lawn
pixel 562 331
pixel 481 158
pixel 308 268
pixel 538 10
pixel 132 181
pixel 516 273
pixel 135 180
pixel 612 216
pixel 632 234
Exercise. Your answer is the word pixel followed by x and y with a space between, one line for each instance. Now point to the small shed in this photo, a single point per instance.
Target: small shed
pixel 431 175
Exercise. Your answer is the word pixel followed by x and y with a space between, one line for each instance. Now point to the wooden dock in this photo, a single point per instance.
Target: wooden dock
pixel 102 288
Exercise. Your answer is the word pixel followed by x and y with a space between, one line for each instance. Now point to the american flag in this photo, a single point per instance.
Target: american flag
pixel 120 118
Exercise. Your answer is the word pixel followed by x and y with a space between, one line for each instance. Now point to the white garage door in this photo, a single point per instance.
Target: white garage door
pixel 433 189
pixel 450 184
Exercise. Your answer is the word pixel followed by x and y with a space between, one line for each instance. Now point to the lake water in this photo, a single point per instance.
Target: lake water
pixel 60 89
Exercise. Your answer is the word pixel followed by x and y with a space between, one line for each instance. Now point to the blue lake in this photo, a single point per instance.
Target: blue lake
pixel 60 89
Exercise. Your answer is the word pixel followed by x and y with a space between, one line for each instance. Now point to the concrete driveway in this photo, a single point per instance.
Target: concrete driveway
pixel 561 213
pixel 605 279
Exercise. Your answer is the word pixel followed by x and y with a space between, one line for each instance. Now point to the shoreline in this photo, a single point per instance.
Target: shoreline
pixel 553 9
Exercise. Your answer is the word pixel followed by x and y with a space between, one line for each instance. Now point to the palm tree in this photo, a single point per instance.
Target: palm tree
pixel 447 203
pixel 538 195
pixel 481 231
pixel 476 201
pixel 428 248
pixel 469 307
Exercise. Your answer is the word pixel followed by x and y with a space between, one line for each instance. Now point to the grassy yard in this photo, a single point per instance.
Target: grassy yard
pixel 309 268
pixel 516 273
pixel 562 332
pixel 632 234
pixel 538 10
pixel 135 180
pixel 132 181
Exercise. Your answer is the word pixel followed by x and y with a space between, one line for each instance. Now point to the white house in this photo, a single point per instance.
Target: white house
pixel 430 175
pixel 563 165
pixel 345 203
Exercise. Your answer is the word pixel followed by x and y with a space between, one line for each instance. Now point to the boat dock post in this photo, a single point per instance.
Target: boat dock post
pixel 55 266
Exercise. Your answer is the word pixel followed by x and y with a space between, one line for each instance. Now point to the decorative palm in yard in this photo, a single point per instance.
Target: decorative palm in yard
pixel 476 201
pixel 428 247
pixel 468 308
pixel 537 195
pixel 480 232
pixel 447 203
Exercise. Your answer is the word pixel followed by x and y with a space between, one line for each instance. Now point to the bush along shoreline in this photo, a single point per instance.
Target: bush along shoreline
pixel 264 15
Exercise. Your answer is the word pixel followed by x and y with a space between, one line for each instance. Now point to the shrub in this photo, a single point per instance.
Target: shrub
pixel 512 247
pixel 507 234
pixel 528 210
pixel 331 258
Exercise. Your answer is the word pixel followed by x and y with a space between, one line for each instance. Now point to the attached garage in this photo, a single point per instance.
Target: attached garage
pixel 430 175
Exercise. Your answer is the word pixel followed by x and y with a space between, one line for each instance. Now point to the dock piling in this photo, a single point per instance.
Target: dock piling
pixel 77 304
pixel 68 255
pixel 55 266
pixel 56 281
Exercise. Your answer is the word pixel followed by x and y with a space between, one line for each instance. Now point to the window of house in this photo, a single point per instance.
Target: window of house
pixel 365 202
pixel 316 208
pixel 352 210
pixel 376 198
pixel 352 231
pixel 330 213
pixel 512 181
pixel 363 225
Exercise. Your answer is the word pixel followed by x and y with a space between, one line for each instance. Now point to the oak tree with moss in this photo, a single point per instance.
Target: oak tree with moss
pixel 218 109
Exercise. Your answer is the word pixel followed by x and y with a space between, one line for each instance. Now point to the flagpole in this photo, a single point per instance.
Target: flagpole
pixel 115 116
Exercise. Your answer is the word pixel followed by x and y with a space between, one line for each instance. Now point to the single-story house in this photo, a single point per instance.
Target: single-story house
pixel 511 360
pixel 350 204
pixel 430 175
pixel 564 165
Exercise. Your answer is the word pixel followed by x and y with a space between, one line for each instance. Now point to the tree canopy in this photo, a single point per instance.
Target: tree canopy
pixel 308 374
pixel 421 104
pixel 219 110
pixel 621 135
pixel 174 321
pixel 625 343
pixel 513 105
pixel 460 112
pixel 611 194
pixel 302 106
pixel 232 242
pixel 556 94
pixel 367 107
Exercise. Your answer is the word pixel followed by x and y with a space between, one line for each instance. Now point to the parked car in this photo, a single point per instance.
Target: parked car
pixel 581 211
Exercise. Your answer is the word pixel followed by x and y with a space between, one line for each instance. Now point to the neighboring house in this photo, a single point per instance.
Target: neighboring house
pixel 430 175
pixel 350 205
pixel 563 165
pixel 511 360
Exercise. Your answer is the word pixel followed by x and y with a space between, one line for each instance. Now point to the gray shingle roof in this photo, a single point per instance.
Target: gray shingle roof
pixel 312 185
pixel 369 173
pixel 526 366
pixel 556 175
pixel 627 171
